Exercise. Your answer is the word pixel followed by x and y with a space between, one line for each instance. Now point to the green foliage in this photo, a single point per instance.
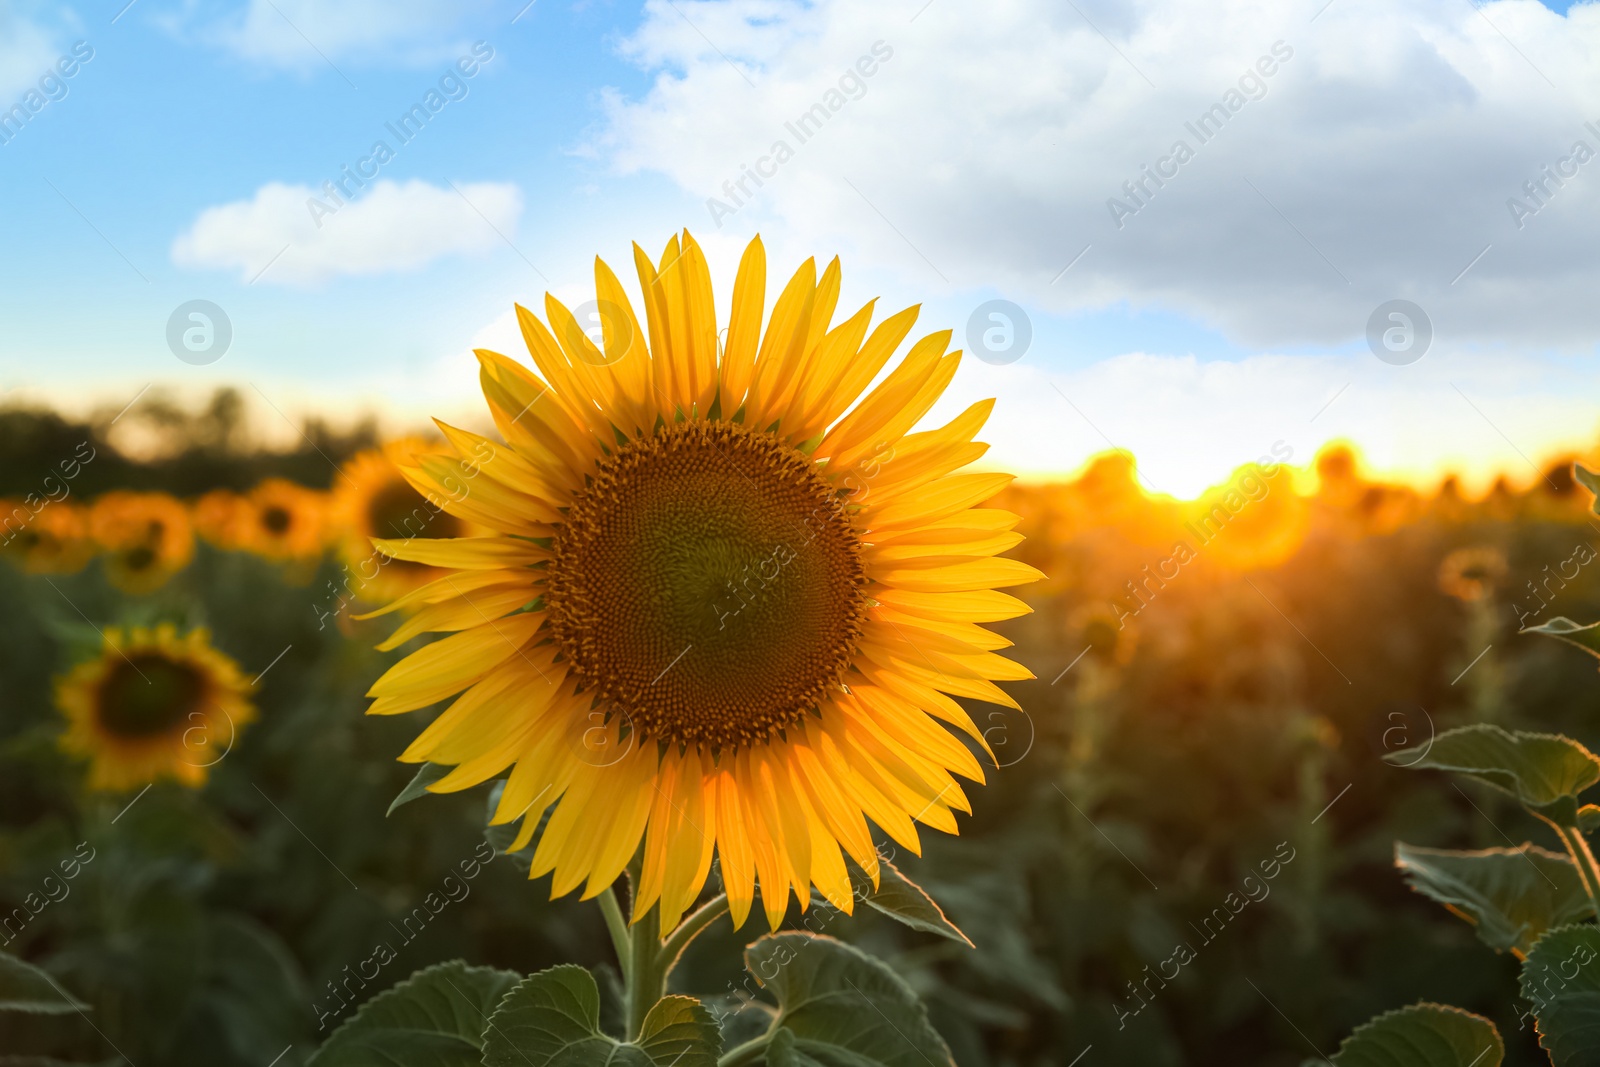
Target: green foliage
pixel 1575 634
pixel 1540 770
pixel 426 775
pixel 1512 895
pixel 435 1018
pixel 904 901
pixel 24 987
pixel 1561 979
pixel 840 1006
pixel 553 1017
pixel 1423 1035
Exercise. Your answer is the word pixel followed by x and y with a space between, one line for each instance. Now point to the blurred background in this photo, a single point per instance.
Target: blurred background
pixel 1197 762
pixel 1288 308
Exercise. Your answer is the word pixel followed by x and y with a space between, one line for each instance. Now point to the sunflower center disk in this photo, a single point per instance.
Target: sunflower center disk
pixel 146 696
pixel 708 583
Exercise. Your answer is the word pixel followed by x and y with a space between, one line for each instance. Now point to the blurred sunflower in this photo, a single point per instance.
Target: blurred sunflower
pixel 283 521
pixel 1470 574
pixel 689 628
pixel 219 516
pixel 53 541
pixel 153 705
pixel 146 537
pixel 371 499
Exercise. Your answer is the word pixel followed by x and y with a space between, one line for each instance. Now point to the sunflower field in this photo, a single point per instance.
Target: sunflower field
pixel 709 705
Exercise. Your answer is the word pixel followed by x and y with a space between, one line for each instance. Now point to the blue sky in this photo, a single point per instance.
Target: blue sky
pixel 976 164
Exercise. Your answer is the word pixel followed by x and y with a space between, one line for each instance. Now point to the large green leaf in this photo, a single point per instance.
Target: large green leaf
pixel 1573 633
pixel 553 1018
pixel 426 775
pixel 904 901
pixel 1512 895
pixel 1538 769
pixel 435 1018
pixel 1561 977
pixel 841 1007
pixel 1423 1035
pixel 24 987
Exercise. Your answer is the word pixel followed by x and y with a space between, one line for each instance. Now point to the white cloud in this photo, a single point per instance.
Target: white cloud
pixel 394 226
pixel 1376 163
pixel 306 34
pixel 27 51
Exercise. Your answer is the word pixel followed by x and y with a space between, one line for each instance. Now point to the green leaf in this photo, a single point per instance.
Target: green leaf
pixel 1589 480
pixel 1575 634
pixel 1423 1035
pixel 435 1018
pixel 426 775
pixel 1562 979
pixel 553 1018
pixel 1589 818
pixel 679 1030
pixel 842 1007
pixel 1537 769
pixel 1512 895
pixel 904 901
pixel 24 987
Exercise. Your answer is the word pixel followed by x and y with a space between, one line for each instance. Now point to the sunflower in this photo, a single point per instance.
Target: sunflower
pixel 729 601
pixel 372 499
pixel 54 540
pixel 283 521
pixel 153 705
pixel 147 538
pixel 219 516
pixel 1470 574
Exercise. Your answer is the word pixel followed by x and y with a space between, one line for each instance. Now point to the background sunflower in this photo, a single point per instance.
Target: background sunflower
pixel 145 538
pixel 154 704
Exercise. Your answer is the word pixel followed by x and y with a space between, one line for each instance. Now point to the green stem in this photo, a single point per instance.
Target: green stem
pixel 1578 848
pixel 692 927
pixel 619 931
pixel 749 1052
pixel 647 982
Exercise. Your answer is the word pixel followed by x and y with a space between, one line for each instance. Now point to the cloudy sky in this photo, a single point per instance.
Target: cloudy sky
pixel 1199 214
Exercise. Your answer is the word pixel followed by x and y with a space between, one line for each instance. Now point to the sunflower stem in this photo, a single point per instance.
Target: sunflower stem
pixel 1578 848
pixel 618 926
pixel 749 1052
pixel 676 942
pixel 646 981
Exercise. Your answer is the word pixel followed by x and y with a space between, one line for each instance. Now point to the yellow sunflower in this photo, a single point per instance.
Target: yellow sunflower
pixel 55 540
pixel 146 537
pixel 283 521
pixel 153 704
pixel 729 602
pixel 372 499
pixel 1470 574
pixel 219 518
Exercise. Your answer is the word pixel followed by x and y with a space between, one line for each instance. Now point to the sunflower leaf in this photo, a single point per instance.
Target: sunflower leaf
pixel 553 1017
pixel 1589 480
pixel 841 1006
pixel 904 901
pixel 435 1018
pixel 24 987
pixel 1423 1035
pixel 1512 895
pixel 1544 771
pixel 1575 634
pixel 426 775
pixel 1562 980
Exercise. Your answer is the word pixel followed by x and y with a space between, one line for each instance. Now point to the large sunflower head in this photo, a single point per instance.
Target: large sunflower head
pixel 372 499
pixel 154 704
pixel 283 521
pixel 146 538
pixel 730 598
pixel 53 540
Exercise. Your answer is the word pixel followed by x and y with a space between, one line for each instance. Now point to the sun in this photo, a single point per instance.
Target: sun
pixel 728 599
pixel 154 704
